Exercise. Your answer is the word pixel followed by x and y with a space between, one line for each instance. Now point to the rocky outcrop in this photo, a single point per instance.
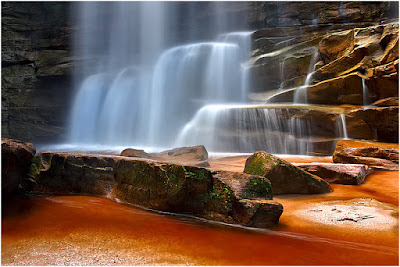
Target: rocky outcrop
pixel 337 173
pixel 378 123
pixel 383 156
pixel 387 102
pixel 16 159
pixel 288 14
pixel 36 70
pixel 221 196
pixel 285 178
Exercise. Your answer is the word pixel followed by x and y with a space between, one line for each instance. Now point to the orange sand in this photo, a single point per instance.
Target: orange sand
pixel 85 230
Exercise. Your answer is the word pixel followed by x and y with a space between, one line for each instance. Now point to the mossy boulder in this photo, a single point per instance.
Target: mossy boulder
pixel 284 177
pixel 69 173
pixel 162 186
pixel 228 197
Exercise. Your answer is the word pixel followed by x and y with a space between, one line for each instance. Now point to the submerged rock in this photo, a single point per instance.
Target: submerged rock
pixel 384 156
pixel 16 158
pixel 337 173
pixel 285 178
pixel 222 196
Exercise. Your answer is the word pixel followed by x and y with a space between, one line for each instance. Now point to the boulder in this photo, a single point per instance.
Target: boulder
pixel 383 156
pixel 221 196
pixel 285 178
pixel 135 153
pixel 16 159
pixel 337 173
pixel 195 155
pixel 69 173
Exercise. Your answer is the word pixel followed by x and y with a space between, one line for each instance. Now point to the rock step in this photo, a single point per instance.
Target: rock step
pixel 222 196
pixel 382 156
pixel 336 172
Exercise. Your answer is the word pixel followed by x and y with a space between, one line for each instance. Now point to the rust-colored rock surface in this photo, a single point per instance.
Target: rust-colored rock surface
pixel 384 156
pixel 16 159
pixel 374 123
pixel 337 173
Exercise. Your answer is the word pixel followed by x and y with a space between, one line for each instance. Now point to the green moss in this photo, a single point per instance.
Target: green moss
pixel 258 187
pixel 260 164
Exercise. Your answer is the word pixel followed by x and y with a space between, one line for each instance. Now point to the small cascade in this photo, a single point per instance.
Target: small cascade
pixel 366 99
pixel 342 126
pixel 282 73
pixel 300 95
pixel 238 128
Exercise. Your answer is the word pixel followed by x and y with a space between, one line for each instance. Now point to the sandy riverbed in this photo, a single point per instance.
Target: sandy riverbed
pixel 85 230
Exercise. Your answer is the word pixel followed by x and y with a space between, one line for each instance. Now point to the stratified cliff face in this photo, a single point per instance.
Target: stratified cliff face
pixel 37 65
pixel 36 70
pixel 301 13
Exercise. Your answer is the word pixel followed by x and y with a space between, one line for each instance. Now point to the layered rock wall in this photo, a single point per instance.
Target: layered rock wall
pixel 36 70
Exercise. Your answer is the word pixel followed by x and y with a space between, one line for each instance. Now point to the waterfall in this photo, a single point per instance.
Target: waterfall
pixel 244 128
pixel 343 127
pixel 300 95
pixel 143 77
pixel 366 99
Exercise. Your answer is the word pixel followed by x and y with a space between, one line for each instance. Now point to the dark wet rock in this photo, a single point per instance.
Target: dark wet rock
pixel 68 173
pixel 160 186
pixel 285 178
pixel 36 70
pixel 246 185
pixel 16 159
pixel 384 156
pixel 337 173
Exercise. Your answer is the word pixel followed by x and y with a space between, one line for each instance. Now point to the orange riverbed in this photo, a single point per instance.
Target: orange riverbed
pixel 86 230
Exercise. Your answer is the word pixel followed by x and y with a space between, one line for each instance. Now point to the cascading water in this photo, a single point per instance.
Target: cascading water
pixel 366 99
pixel 343 127
pixel 142 88
pixel 300 95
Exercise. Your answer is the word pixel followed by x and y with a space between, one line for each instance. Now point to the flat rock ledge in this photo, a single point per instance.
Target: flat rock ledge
pixel 382 156
pixel 338 173
pixel 194 155
pixel 228 197
pixel 285 177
